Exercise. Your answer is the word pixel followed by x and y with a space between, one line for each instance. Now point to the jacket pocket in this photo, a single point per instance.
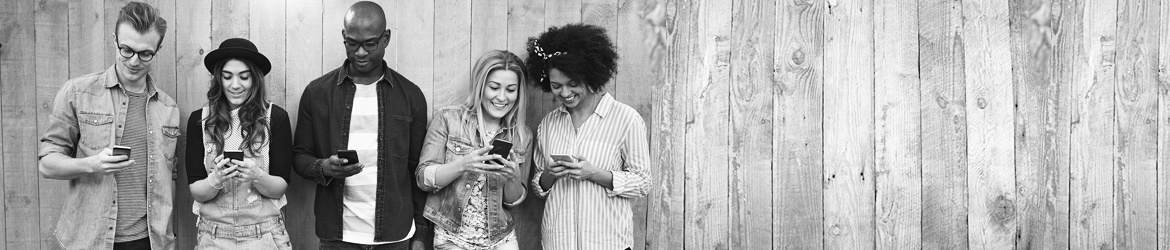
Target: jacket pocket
pixel 397 131
pixel 95 129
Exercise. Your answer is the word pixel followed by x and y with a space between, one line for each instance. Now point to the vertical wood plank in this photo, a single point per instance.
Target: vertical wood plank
pixel 897 149
pixel 416 23
pixel 489 31
pixel 88 51
pixel 266 30
pixel 453 51
pixel 332 21
pixel 303 25
pixel 562 12
pixel 1092 131
pixel 52 70
pixel 848 126
pixel 990 144
pixel 229 19
pixel 750 191
pixel 1136 104
pixel 193 23
pixel 526 19
pixel 18 62
pixel 1164 131
pixel 635 82
pixel 708 90
pixel 391 7
pixel 798 145
pixel 944 129
pixel 665 222
pixel 1038 56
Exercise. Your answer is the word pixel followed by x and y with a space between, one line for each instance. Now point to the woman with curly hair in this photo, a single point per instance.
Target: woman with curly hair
pixel 472 191
pixel 592 156
pixel 238 200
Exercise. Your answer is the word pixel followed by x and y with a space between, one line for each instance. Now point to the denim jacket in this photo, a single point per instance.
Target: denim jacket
pixel 454 132
pixel 323 128
pixel 88 115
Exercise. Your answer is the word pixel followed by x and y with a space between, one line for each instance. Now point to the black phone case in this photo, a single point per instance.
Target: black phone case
pixel 500 147
pixel 234 155
pixel 348 155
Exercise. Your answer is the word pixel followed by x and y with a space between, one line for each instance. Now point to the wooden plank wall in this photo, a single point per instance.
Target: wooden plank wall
pixel 793 124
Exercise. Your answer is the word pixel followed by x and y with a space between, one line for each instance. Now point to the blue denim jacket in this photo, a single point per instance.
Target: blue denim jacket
pixel 453 132
pixel 88 114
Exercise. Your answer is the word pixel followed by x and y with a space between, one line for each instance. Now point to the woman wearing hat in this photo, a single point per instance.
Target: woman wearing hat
pixel 238 201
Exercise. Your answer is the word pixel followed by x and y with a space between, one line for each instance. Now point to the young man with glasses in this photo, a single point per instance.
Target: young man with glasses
pixel 369 108
pixel 116 200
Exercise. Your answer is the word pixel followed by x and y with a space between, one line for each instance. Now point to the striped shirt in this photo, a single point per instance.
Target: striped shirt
pixel 581 214
pixel 131 222
pixel 359 200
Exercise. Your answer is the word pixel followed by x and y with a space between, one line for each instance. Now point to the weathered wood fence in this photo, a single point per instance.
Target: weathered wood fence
pixel 818 124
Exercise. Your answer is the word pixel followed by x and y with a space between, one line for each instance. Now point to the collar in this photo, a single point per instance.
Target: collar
pixel 110 80
pixel 603 107
pixel 345 74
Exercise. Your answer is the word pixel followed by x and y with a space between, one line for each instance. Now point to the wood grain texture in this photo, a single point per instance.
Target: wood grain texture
pixel 303 26
pixel 848 126
pixel 708 90
pixel 194 22
pixel 897 126
pixel 52 70
pixel 452 52
pixel 944 125
pixel 667 148
pixel 332 22
pixel 416 22
pixel 19 108
pixel 562 12
pixel 1164 133
pixel 797 133
pixel 635 84
pixel 489 31
pixel 604 13
pixel 1092 130
pixel 750 175
pixel 88 51
pixel 266 29
pixel 990 109
pixel 1136 104
pixel 1041 121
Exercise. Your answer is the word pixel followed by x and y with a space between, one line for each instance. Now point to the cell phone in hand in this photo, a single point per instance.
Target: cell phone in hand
pixel 564 158
pixel 349 155
pixel 500 147
pixel 234 154
pixel 121 150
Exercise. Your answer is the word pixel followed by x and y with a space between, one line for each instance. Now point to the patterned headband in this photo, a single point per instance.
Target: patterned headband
pixel 545 56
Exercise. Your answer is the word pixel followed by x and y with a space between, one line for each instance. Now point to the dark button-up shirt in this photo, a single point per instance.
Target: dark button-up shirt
pixel 323 128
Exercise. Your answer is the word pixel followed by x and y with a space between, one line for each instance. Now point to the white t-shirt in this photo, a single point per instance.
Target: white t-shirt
pixel 361 189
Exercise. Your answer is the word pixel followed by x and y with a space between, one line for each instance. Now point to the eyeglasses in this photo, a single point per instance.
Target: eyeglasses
pixel 368 45
pixel 127 52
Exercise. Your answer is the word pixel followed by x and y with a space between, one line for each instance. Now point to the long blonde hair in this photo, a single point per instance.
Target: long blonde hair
pixel 488 63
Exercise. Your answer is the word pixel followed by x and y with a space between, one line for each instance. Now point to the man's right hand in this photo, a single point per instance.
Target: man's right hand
pixel 337 167
pixel 108 164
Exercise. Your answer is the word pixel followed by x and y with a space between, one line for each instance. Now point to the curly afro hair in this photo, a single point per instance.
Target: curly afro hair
pixel 582 51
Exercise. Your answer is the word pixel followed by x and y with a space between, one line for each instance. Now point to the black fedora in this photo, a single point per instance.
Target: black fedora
pixel 237 48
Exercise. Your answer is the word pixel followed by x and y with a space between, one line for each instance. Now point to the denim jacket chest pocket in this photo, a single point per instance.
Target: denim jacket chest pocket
pixel 458 147
pixel 96 129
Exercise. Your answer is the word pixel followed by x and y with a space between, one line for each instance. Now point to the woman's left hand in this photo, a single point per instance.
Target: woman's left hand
pixel 582 169
pixel 507 170
pixel 246 170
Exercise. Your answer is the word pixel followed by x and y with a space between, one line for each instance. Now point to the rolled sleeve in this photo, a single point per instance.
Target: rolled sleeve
pixel 433 153
pixel 541 161
pixel 62 133
pixel 634 179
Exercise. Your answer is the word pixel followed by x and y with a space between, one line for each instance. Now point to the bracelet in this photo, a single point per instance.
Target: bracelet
pixel 213 186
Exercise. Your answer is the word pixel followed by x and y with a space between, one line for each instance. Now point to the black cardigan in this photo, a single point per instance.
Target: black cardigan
pixel 280 154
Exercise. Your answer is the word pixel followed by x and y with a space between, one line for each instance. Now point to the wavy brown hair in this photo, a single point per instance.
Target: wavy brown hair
pixel 253 119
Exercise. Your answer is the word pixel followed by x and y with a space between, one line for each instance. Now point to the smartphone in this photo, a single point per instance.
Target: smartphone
pixel 121 150
pixel 349 155
pixel 234 154
pixel 564 158
pixel 502 148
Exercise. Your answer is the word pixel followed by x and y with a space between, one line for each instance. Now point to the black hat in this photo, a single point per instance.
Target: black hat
pixel 237 48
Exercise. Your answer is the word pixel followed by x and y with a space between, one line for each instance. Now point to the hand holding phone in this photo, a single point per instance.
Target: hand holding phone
pixel 564 158
pixel 350 156
pixel 499 147
pixel 121 150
